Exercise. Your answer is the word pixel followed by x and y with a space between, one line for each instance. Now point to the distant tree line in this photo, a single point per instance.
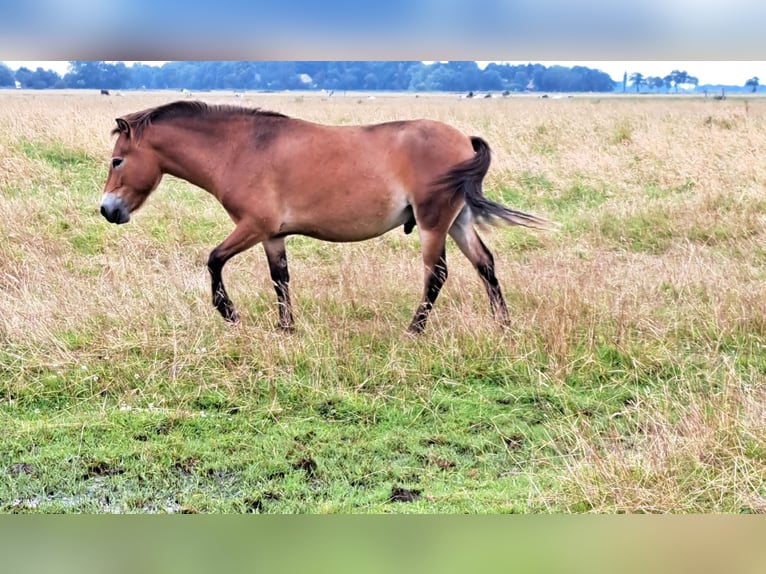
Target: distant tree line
pixel 461 76
pixel 672 82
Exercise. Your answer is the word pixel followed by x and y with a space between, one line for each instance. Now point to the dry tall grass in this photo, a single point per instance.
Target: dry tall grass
pixel 660 259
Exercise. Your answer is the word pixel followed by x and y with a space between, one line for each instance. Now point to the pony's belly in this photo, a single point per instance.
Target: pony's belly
pixel 351 227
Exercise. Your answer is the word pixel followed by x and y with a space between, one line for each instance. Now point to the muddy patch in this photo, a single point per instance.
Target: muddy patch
pixel 399 494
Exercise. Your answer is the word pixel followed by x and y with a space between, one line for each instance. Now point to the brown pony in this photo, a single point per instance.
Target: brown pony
pixel 278 176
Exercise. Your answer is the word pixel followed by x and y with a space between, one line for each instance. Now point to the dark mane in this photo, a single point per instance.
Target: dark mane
pixel 189 109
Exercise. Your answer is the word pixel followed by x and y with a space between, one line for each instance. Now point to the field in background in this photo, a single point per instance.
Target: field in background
pixel 631 378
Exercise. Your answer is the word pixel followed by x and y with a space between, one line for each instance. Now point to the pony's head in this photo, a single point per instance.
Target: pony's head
pixel 134 172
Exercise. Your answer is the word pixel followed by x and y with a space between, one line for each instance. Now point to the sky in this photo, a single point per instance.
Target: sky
pixel 734 73
pixel 60 67
pixel 395 29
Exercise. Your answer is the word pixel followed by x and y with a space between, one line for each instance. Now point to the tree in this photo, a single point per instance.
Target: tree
pixel 678 77
pixel 444 79
pixel 370 82
pixel 582 79
pixel 752 83
pixel 6 76
pixel 99 75
pixel 654 82
pixel 39 79
pixel 82 74
pixel 637 79
pixel 490 80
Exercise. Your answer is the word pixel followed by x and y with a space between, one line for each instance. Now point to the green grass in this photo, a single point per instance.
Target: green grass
pixel 330 428
pixel 54 154
pixel 650 231
pixel 308 435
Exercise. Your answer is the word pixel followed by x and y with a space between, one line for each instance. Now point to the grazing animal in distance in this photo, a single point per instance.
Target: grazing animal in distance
pixel 278 176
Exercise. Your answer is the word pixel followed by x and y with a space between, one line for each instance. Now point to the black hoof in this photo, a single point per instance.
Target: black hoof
pixel 230 316
pixel 415 329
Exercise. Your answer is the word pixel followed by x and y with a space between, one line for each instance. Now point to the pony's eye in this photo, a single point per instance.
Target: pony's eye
pixel 116 162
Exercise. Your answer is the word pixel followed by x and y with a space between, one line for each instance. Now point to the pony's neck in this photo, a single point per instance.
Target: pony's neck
pixel 185 152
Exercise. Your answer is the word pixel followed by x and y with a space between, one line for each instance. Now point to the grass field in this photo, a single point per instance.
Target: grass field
pixel 631 379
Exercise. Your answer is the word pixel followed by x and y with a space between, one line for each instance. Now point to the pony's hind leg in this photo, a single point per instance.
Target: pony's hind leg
pixel 435 267
pixel 469 242
pixel 277 258
pixel 243 237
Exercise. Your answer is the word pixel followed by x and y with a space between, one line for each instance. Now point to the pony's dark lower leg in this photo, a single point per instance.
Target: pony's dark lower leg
pixel 436 275
pixel 486 271
pixel 469 242
pixel 280 277
pixel 243 237
pixel 221 299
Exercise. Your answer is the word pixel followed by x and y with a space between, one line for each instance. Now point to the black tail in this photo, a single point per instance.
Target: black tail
pixel 466 178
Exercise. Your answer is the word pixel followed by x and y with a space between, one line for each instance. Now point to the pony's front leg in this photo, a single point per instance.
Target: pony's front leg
pixel 221 299
pixel 243 237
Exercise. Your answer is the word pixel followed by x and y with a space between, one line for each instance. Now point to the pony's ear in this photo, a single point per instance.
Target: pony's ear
pixel 122 126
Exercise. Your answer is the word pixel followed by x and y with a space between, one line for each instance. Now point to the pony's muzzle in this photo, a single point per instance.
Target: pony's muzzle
pixel 114 209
